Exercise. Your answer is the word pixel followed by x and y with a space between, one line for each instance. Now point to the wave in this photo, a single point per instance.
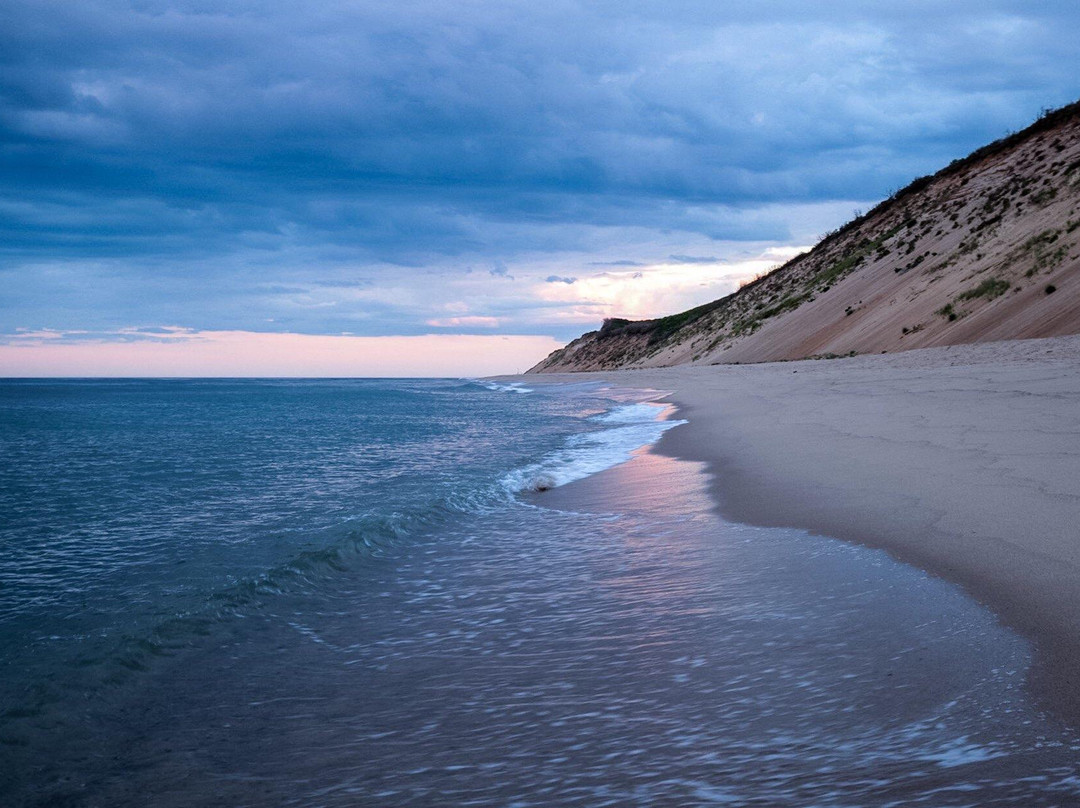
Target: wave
pixel 630 427
pixel 503 387
pixel 623 430
pixel 614 437
pixel 367 538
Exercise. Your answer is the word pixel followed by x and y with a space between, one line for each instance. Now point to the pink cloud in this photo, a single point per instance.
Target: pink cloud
pixel 248 353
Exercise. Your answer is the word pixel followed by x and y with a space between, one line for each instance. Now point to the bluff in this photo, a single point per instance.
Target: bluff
pixel 985 249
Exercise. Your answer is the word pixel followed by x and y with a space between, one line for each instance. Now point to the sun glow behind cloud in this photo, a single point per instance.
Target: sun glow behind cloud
pixel 655 290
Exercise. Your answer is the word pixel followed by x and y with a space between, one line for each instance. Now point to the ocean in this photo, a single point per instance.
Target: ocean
pixel 362 592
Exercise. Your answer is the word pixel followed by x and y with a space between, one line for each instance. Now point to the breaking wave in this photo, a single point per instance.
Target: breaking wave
pixel 504 387
pixel 628 429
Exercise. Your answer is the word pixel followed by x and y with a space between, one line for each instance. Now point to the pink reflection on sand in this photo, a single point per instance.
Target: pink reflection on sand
pixel 182 352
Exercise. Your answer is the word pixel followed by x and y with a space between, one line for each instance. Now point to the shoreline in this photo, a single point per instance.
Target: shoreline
pixel 961 461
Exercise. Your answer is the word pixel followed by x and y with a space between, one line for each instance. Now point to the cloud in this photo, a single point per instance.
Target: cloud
pixel 660 289
pixel 559 279
pixel 694 259
pixel 333 167
pixel 500 271
pixel 27 335
pixel 243 353
pixel 307 289
pixel 464 322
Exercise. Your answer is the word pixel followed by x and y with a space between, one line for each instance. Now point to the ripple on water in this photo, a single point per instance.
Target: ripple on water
pixel 540 657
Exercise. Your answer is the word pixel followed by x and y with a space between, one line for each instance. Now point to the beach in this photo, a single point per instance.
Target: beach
pixel 963 461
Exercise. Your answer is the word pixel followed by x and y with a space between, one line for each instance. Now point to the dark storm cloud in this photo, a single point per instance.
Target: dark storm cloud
pixel 232 144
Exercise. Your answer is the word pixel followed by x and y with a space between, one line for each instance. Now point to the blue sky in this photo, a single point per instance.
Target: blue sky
pixel 495 169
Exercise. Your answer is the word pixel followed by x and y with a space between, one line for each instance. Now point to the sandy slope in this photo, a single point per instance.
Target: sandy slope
pixel 962 460
pixel 988 249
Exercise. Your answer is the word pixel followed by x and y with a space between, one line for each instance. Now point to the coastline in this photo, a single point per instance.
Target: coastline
pixel 623 643
pixel 962 461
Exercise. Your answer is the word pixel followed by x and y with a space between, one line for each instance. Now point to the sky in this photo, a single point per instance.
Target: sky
pixel 338 188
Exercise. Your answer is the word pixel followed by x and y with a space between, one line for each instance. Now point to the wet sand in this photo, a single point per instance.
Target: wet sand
pixel 963 461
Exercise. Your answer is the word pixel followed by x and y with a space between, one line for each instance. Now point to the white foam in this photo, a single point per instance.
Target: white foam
pixel 509 387
pixel 961 752
pixel 632 427
pixel 640 413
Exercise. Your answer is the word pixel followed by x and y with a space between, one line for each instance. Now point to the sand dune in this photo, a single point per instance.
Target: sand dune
pixel 987 249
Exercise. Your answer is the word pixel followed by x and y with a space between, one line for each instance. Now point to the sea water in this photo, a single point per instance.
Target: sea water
pixel 350 593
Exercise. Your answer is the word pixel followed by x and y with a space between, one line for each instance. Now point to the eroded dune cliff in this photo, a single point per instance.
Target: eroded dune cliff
pixel 986 249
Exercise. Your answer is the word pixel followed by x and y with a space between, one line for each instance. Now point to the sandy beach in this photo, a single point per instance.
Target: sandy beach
pixel 963 461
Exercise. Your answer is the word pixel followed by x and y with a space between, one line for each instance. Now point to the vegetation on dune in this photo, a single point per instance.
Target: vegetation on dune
pixel 658 330
pixel 948 312
pixel 1042 251
pixel 989 288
